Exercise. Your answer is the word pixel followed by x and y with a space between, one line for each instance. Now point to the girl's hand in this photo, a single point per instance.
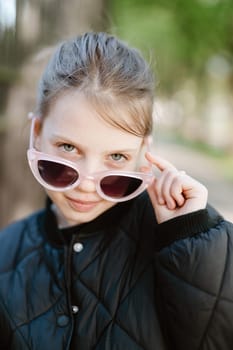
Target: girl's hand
pixel 173 193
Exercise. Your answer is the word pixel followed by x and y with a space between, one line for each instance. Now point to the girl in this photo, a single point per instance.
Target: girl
pixel 108 265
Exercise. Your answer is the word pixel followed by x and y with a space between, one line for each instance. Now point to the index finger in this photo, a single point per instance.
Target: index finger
pixel 159 162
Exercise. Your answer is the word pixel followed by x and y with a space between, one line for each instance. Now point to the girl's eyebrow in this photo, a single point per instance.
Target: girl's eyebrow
pixel 126 150
pixel 62 138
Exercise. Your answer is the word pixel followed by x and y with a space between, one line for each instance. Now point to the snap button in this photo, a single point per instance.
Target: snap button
pixel 63 320
pixel 75 309
pixel 78 247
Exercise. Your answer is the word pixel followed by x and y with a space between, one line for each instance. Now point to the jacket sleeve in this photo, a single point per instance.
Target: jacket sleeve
pixel 194 269
pixel 5 330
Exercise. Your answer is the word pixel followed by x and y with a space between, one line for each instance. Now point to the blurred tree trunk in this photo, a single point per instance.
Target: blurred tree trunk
pixel 38 24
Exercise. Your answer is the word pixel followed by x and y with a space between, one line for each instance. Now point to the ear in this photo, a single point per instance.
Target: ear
pixel 37 126
pixel 35 132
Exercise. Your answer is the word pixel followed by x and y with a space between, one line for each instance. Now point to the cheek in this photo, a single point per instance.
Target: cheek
pixel 56 197
pixel 137 162
pixel 133 166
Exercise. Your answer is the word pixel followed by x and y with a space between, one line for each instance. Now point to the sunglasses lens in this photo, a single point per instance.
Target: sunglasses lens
pixel 119 186
pixel 56 174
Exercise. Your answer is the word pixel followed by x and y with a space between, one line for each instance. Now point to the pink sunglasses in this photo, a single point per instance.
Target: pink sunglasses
pixel 57 174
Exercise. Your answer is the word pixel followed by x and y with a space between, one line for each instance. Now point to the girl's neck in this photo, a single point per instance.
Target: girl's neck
pixel 61 221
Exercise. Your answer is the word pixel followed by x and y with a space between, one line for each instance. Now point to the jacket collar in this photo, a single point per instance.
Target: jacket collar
pixel 108 219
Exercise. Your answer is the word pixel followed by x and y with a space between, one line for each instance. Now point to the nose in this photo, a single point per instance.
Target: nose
pixel 87 184
pixel 88 166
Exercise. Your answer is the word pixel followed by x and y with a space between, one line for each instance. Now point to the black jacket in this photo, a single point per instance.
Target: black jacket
pixel 120 282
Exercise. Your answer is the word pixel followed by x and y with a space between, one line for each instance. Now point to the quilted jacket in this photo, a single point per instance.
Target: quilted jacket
pixel 120 282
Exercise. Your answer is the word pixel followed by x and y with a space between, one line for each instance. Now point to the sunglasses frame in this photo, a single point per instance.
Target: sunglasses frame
pixel 34 156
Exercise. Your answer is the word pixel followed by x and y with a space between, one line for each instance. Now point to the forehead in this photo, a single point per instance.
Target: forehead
pixel 74 117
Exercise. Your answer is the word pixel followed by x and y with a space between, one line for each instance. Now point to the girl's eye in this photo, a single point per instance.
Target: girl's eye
pixel 118 157
pixel 67 147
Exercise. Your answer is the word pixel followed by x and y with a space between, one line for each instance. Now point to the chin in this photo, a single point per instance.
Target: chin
pixel 76 218
pixel 76 211
pixel 76 215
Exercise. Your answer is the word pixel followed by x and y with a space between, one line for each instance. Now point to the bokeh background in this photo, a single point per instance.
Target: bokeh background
pixel 190 46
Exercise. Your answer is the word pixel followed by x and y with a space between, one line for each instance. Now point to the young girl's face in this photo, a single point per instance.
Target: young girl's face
pixel 74 131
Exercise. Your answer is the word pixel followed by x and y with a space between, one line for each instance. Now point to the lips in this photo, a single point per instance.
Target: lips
pixel 82 205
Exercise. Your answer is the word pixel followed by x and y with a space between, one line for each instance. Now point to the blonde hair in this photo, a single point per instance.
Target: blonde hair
pixel 109 73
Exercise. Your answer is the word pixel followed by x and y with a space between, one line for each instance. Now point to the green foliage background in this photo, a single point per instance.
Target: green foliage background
pixel 180 35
